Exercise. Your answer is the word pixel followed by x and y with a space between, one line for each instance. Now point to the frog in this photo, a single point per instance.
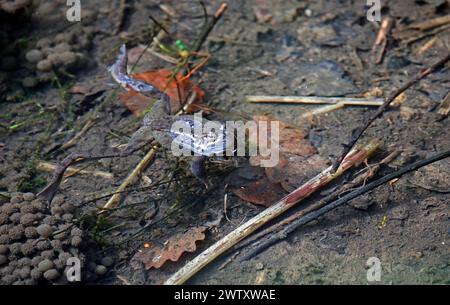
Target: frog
pixel 158 124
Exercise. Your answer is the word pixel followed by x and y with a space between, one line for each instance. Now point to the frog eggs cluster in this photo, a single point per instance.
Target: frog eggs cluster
pixel 61 53
pixel 30 250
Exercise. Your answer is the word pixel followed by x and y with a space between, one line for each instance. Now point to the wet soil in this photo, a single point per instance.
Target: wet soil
pixel 318 48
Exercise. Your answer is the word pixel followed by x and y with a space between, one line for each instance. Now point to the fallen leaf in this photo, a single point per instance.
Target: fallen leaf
pixel 291 140
pixel 156 257
pixel 138 103
pixel 261 192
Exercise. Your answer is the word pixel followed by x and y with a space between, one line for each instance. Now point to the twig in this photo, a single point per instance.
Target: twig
pixel 50 167
pixel 357 133
pixel 215 19
pixel 316 214
pixel 321 110
pixel 353 101
pixel 132 177
pixel 427 25
pixel 359 180
pixel 354 157
pixel 90 122
pixel 444 108
pixel 382 38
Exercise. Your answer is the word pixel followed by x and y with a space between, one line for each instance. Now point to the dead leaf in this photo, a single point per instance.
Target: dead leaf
pixel 291 140
pixel 261 192
pixel 178 90
pixel 178 244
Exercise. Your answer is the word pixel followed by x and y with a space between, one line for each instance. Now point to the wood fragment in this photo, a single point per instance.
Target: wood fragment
pixel 382 38
pixel 428 24
pixel 347 101
pixel 354 157
pixel 50 167
pixel 358 181
pixel 344 199
pixel 444 108
pixel 132 177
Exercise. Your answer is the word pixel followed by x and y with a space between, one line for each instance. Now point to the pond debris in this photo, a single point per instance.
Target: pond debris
pixel 179 89
pixel 70 171
pixel 382 39
pixel 444 108
pixel 156 257
pixel 356 156
pixel 347 101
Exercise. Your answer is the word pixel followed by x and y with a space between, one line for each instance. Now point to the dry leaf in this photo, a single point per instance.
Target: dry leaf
pixel 178 93
pixel 173 249
pixel 261 192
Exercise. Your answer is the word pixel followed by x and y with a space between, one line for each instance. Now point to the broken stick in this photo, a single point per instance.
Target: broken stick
pixel 358 132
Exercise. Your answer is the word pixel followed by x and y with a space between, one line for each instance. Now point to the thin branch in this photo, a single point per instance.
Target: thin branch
pixel 354 157
pixel 358 132
pixel 346 198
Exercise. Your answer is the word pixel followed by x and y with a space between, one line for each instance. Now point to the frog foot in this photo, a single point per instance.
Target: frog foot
pixel 199 171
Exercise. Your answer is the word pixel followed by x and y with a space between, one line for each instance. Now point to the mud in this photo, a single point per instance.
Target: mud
pixel 303 48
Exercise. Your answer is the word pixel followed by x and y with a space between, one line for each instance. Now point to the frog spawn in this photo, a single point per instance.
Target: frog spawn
pixel 31 249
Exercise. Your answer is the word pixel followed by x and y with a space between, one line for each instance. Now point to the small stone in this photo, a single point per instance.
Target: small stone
pixel 27 248
pixel 29 82
pixel 100 270
pixel 45 265
pixel 35 274
pixel 3 249
pixel 259 266
pixel 15 218
pixel 44 65
pixel 50 254
pixel 43 42
pixel 27 207
pixel 36 260
pixel 67 207
pixel 27 219
pixel 15 248
pixel 34 56
pixel 58 200
pixel 107 261
pixel 67 217
pixel 38 204
pixel 44 230
pixel 62 47
pixel 43 245
pixel 76 241
pixel 28 196
pixel 56 244
pixel 4 239
pixel 51 274
pixel 16 233
pixel 56 210
pixel 30 232
pixel 4 219
pixel 50 220
pixel 9 279
pixel 24 261
pixel 25 272
pixel 16 199
pixel 3 259
pixel 76 232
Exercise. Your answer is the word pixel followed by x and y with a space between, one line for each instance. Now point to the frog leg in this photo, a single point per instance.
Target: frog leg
pixel 199 171
pixel 140 138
